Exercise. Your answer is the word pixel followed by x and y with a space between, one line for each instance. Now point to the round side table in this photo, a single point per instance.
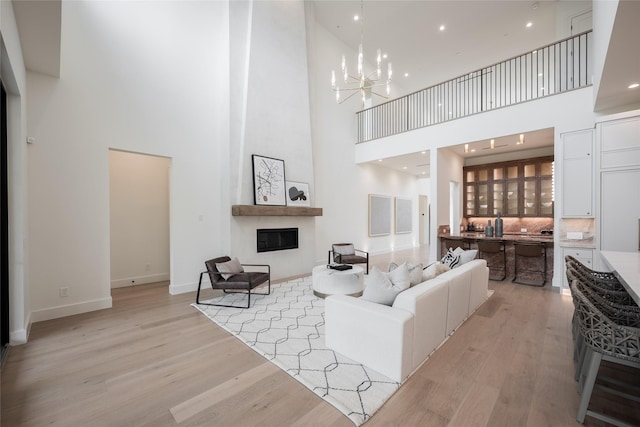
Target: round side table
pixel 327 281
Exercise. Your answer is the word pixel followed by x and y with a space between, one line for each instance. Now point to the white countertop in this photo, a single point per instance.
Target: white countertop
pixel 626 265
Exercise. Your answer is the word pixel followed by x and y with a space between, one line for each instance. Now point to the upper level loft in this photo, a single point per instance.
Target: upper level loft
pixel 552 69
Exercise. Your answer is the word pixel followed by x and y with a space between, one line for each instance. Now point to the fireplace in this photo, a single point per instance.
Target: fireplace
pixel 277 239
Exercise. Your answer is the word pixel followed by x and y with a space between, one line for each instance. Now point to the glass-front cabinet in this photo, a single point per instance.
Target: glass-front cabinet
pixel 513 189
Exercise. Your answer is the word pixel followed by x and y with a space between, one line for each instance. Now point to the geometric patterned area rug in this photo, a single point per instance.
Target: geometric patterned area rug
pixel 287 328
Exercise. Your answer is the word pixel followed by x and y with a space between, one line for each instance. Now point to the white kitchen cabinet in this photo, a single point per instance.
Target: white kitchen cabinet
pixel 620 210
pixel 577 174
pixel 585 256
pixel 620 143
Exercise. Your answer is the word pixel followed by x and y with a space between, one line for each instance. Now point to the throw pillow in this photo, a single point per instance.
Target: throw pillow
pixel 380 287
pixel 344 250
pixel 415 272
pixel 450 259
pixel 400 277
pixel 466 256
pixel 229 268
pixel 434 270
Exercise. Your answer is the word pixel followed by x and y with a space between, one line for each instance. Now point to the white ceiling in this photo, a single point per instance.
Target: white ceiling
pixel 477 33
pixel 536 144
pixel 39 28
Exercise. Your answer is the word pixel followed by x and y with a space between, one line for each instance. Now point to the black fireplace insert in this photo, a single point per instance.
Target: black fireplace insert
pixel 277 239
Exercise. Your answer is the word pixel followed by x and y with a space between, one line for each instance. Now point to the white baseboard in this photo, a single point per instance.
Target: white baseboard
pixel 71 309
pixel 187 287
pixel 140 280
pixel 21 336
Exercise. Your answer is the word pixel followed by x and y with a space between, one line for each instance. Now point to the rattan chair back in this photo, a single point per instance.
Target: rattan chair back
pixel 601 333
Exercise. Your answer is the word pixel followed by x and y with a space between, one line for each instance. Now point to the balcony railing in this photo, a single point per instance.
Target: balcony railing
pixel 549 70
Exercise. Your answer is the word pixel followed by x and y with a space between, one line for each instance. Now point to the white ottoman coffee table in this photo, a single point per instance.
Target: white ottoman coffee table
pixel 327 281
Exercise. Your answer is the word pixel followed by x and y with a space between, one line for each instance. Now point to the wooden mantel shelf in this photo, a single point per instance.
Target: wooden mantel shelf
pixel 259 210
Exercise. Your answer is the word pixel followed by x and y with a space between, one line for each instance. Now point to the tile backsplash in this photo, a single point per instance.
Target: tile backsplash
pixel 516 225
pixel 579 231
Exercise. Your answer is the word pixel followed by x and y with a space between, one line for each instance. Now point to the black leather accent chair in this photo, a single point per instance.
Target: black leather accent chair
pixel 242 282
pixel 345 253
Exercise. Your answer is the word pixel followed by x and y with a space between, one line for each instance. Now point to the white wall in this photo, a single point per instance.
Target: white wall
pixel 449 170
pixel 139 218
pixel 342 186
pixel 604 16
pixel 270 117
pixel 147 77
pixel 14 78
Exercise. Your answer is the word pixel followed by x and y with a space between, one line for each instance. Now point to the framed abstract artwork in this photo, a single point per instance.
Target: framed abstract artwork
pixel 403 215
pixel 380 213
pixel 298 194
pixel 268 181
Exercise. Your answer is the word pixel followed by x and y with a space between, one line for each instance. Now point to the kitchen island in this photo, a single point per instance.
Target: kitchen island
pixel 626 267
pixel 470 239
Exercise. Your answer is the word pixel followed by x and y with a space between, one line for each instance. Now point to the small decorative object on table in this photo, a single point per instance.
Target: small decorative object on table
pixel 340 267
pixel 489 230
pixel 499 226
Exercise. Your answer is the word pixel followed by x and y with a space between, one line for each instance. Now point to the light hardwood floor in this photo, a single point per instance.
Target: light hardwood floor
pixel 152 360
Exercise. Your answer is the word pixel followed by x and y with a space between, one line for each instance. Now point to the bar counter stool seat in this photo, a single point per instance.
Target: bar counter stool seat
pixel 529 250
pixel 454 243
pixel 493 247
pixel 607 340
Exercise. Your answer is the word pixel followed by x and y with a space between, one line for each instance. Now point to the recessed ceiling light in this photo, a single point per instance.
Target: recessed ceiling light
pixel 529 24
pixel 423 152
pixel 404 167
pixel 634 85
pixel 379 160
pixel 473 150
pixel 356 17
pixel 424 173
pixel 406 74
pixel 442 27
pixel 384 56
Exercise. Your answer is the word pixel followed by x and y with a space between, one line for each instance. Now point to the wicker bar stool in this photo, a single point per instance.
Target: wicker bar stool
pixel 493 247
pixel 602 287
pixel 605 278
pixel 621 314
pixel 606 340
pixel 529 250
pixel 453 244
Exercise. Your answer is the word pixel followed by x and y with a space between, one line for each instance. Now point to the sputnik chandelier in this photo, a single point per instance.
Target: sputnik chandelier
pixel 361 83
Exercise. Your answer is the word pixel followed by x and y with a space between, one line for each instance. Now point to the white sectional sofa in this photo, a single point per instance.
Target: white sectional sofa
pixel 395 340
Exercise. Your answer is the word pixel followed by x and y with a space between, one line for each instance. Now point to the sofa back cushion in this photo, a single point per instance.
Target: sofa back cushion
pixel 415 272
pixel 383 288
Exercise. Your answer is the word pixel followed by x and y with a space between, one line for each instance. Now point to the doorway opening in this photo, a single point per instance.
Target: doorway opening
pixel 139 218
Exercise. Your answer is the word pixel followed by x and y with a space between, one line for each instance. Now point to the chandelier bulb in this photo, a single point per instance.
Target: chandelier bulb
pixel 338 95
pixel 346 74
pixel 344 64
pixel 389 71
pixel 360 60
pixel 388 88
pixel 333 79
